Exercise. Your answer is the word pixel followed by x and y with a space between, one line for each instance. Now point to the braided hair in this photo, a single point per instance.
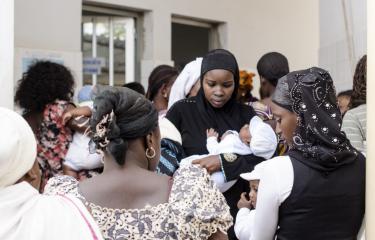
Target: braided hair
pixel 161 75
pixel 119 115
pixel 359 84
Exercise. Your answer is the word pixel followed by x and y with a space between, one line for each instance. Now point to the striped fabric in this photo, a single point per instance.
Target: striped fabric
pixel 170 157
pixel 354 125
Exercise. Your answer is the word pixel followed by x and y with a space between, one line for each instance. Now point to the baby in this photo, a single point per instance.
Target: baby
pixel 247 204
pixel 252 139
pixel 78 156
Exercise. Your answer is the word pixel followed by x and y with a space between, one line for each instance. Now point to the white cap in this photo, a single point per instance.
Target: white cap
pixel 17 147
pixel 255 174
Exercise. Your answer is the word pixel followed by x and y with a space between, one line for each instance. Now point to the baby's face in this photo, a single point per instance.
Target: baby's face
pixel 245 134
pixel 253 192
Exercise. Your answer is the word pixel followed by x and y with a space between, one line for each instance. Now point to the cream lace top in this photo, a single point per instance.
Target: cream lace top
pixel 195 210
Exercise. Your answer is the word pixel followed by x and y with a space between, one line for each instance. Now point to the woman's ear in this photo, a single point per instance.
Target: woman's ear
pixel 164 90
pixel 149 140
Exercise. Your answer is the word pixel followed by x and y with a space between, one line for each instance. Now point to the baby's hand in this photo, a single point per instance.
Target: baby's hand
pixel 212 133
pixel 243 202
pixel 67 116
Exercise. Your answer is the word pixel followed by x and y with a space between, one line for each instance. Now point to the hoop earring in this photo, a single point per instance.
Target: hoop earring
pixel 148 150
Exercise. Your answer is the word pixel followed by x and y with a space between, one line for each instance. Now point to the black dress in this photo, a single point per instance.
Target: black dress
pixel 189 118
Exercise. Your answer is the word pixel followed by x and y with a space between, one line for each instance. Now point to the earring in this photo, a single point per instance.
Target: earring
pixel 152 154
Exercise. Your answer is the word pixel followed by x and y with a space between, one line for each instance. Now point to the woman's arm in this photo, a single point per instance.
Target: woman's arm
pixel 232 165
pixel 275 186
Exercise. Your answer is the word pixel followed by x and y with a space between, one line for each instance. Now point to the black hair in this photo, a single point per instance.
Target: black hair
pixel 161 75
pixel 43 83
pixel 347 93
pixel 136 86
pixel 121 114
pixel 272 66
pixel 359 84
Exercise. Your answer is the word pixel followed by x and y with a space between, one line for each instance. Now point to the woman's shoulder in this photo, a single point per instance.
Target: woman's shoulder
pixel 61 185
pixel 186 102
pixel 181 108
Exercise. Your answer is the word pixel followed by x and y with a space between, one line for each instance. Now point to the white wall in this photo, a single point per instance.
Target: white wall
pixel 253 28
pixel 6 53
pixel 250 28
pixel 336 38
pixel 48 29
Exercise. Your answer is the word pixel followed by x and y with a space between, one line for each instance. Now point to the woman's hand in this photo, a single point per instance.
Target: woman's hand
pixel 211 163
pixel 243 202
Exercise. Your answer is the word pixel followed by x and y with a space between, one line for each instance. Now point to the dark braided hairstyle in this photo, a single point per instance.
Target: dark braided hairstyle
pixel 359 84
pixel 161 75
pixel 121 114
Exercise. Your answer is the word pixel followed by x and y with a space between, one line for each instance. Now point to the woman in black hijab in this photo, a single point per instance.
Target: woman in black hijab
pixel 318 191
pixel 215 106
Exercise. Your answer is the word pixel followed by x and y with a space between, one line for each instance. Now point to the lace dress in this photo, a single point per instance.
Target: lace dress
pixel 195 210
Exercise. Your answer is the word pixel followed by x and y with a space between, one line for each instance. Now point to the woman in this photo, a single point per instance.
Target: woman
pixel 216 107
pixel 271 66
pixel 318 191
pixel 44 93
pixel 186 84
pixel 129 200
pixel 26 214
pixel 159 86
pixel 354 123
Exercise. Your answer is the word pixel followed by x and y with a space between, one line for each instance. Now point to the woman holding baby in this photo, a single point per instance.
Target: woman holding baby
pixel 216 107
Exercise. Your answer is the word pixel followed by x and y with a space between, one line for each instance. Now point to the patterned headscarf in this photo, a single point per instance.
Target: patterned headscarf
pixel 318 141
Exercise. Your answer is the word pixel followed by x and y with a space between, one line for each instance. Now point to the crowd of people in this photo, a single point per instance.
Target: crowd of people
pixel 195 156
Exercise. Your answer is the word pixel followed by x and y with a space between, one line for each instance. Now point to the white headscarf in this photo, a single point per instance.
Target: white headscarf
pixel 24 213
pixel 185 81
pixel 17 147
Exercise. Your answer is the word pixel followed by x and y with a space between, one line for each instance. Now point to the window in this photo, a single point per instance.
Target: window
pixel 108 48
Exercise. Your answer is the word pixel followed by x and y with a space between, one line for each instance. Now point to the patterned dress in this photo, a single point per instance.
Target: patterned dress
pixel 195 210
pixel 53 140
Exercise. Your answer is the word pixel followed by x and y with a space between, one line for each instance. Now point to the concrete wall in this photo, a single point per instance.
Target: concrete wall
pixel 249 28
pixel 6 53
pixel 48 29
pixel 253 28
pixel 342 43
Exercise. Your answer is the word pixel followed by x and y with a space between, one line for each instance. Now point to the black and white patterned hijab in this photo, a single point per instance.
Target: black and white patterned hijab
pixel 318 141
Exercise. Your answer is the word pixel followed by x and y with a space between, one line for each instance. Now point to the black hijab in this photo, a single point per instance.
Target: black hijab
pixel 318 141
pixel 232 115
